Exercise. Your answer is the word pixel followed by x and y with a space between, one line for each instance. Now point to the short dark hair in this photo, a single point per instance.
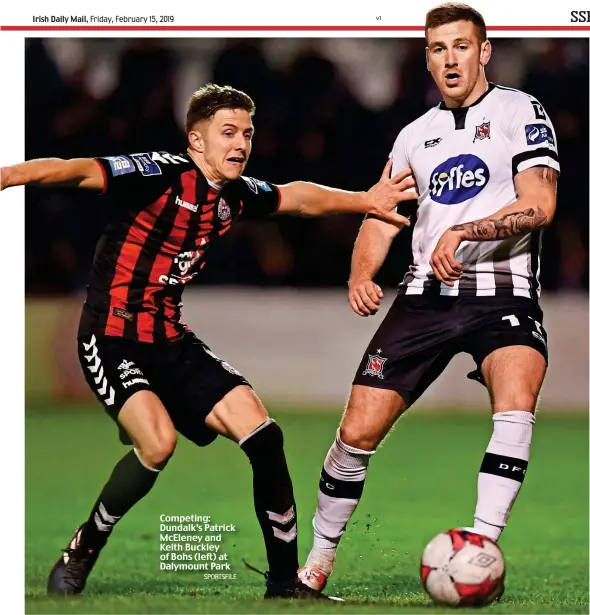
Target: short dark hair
pixel 449 12
pixel 207 100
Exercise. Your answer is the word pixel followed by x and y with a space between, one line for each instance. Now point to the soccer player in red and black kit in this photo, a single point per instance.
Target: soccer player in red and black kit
pixel 152 375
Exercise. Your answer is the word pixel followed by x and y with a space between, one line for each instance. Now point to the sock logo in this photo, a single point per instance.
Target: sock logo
pixel 506 467
pixel 284 520
pixel 104 521
pixel 336 488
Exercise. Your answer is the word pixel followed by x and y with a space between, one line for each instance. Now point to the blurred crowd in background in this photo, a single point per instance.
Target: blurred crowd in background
pixel 328 111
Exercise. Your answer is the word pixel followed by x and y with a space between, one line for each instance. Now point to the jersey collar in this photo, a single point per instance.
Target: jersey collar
pixel 444 107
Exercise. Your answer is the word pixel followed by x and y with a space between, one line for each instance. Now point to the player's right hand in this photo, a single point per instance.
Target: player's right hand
pixel 364 297
pixel 388 193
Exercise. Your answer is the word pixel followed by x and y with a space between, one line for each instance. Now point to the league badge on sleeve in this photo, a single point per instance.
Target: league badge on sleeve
pixel 538 133
pixel 375 366
pixel 482 131
pixel 146 165
pixel 120 165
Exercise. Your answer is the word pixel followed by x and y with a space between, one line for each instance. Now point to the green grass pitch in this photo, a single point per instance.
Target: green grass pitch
pixel 421 481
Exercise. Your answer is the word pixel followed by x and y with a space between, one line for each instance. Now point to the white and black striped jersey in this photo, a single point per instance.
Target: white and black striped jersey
pixel 464 161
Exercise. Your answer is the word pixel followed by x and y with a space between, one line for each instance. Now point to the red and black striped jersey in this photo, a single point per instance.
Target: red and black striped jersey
pixel 164 217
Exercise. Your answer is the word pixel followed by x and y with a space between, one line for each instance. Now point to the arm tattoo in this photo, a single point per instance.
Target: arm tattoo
pixel 509 225
pixel 516 223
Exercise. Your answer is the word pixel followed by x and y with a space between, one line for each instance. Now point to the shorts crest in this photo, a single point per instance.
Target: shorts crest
pixel 375 366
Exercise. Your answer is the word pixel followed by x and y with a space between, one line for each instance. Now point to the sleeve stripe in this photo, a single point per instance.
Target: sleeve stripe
pixel 104 176
pixel 540 153
pixel 539 162
pixel 280 197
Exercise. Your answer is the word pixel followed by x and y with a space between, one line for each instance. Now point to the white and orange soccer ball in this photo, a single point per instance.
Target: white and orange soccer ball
pixel 460 567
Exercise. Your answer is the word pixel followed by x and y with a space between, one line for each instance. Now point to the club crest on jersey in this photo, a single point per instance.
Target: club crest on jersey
pixel 375 366
pixel 482 131
pixel 223 210
pixel 458 179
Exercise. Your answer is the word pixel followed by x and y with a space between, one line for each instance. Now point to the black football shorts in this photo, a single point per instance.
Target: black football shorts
pixel 421 334
pixel 187 377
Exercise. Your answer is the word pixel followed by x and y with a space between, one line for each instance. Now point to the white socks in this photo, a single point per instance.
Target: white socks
pixel 502 471
pixel 501 474
pixel 341 486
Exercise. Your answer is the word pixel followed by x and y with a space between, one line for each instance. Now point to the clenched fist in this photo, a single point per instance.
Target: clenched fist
pixel 364 297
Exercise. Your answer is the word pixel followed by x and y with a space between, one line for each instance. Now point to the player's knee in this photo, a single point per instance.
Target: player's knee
pixel 267 436
pixel 264 445
pixel 156 453
pixel 352 436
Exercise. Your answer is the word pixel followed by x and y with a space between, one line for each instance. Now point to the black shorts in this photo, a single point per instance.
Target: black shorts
pixel 421 334
pixel 187 377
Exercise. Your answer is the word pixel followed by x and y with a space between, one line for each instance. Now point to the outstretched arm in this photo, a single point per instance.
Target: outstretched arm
pixel 537 193
pixel 46 172
pixel 307 199
pixel 370 250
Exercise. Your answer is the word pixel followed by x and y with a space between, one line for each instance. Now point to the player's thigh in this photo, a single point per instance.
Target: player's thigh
pixel 509 346
pixel 372 410
pixel 410 349
pixel 119 374
pixel 198 396
pixel 238 414
pixel 514 376
pixel 370 414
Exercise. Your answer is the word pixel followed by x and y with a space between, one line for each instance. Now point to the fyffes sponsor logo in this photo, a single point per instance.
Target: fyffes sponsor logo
pixel 458 179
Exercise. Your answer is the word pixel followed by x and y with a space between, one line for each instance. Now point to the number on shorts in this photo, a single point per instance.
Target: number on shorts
pixel 513 320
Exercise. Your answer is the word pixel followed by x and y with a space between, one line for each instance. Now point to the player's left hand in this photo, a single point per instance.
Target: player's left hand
pixel 384 197
pixel 443 262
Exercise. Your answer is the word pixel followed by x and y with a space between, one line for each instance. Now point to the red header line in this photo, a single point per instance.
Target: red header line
pixel 275 28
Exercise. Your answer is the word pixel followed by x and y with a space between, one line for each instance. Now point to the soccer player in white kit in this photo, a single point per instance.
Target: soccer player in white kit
pixel 485 164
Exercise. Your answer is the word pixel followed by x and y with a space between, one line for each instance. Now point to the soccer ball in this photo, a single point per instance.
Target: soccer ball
pixel 460 567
